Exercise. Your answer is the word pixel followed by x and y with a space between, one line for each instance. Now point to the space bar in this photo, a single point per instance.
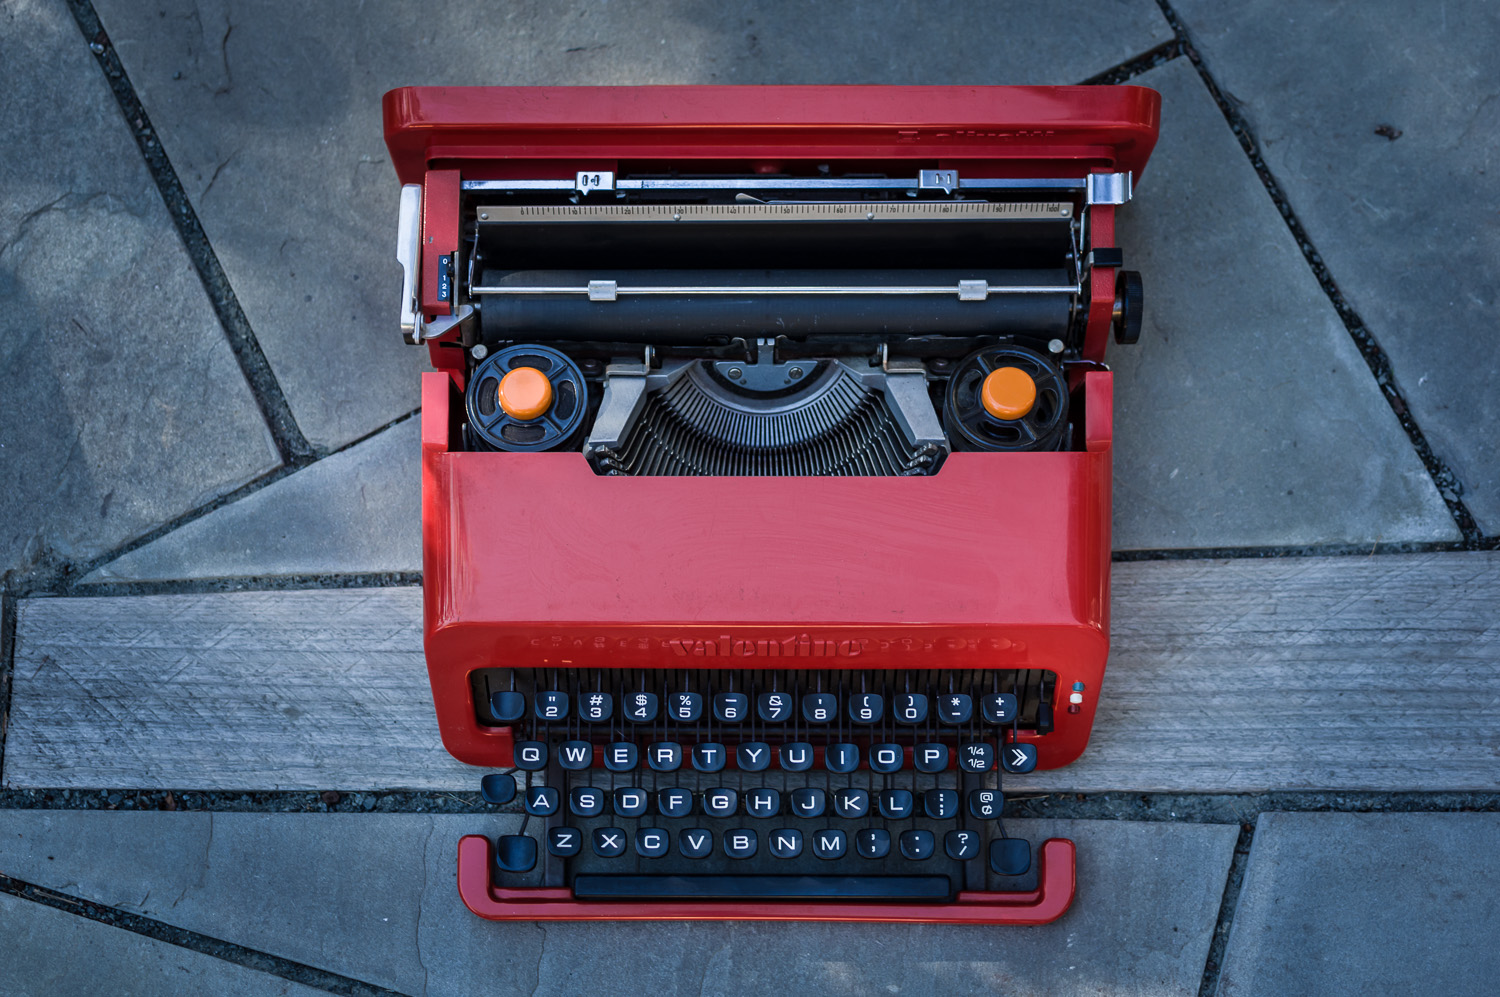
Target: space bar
pixel 622 887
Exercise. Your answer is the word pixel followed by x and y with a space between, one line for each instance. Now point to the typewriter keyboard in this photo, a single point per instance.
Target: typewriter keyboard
pixel 763 784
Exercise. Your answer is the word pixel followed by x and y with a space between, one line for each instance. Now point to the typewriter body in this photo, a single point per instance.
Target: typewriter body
pixel 766 483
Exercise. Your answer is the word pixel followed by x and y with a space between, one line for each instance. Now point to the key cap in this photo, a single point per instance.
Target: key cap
pixel 976 756
pixel 851 804
pixel 575 755
pixel 1010 856
pixel 809 801
pixel 819 707
pixel 542 801
pixel 651 842
pixel 866 708
pixel 1018 758
pixel 498 788
pixel 910 708
pixel 630 802
pixel 796 756
pixel 873 842
pixel 709 756
pixel 930 757
pixel 940 804
pixel 841 758
pixel 596 707
pixel 508 706
pixel 515 852
pixel 664 756
pixel 961 845
pixel 586 801
pixel 896 804
pixel 552 706
pixel 763 802
pixel 622 756
pixel 720 802
pixel 917 845
pixel 641 707
pixel 998 708
pixel 685 707
pixel 753 756
pixel 695 843
pixel 985 803
pixel 740 843
pixel 530 756
pixel 786 843
pixel 731 707
pixel 609 842
pixel 774 707
pixel 830 843
pixel 674 802
pixel 955 708
pixel 564 842
pixel 886 758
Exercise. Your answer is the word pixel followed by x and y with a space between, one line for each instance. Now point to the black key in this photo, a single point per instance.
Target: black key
pixel 851 803
pixel 1018 758
pixel 709 756
pixel 575 755
pixel 998 708
pixel 796 756
pixel 1010 856
pixel 739 843
pixel 530 756
pixel 896 804
pixel 930 757
pixel 596 707
pixel 763 802
pixel 664 756
pixel 674 802
pixel 551 706
pixel 685 707
pixel 651 842
pixel 961 845
pixel 622 756
pixel 830 844
pixel 695 843
pixel 886 758
pixel 586 801
pixel 819 707
pixel 753 756
pixel 910 708
pixel 609 842
pixel 940 804
pixel 986 803
pixel 872 842
pixel 976 756
pixel 720 802
pixel 955 708
pixel 774 707
pixel 917 845
pixel 740 887
pixel 498 788
pixel 508 707
pixel 630 801
pixel 841 758
pixel 866 708
pixel 515 852
pixel 786 843
pixel 564 841
pixel 641 707
pixel 542 801
pixel 809 801
pixel 731 707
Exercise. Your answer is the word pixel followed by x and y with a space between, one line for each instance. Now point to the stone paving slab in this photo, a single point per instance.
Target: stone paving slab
pixel 1406 225
pixel 1336 904
pixel 1245 415
pixel 275 130
pixel 122 405
pixel 358 511
pixel 373 896
pixel 52 953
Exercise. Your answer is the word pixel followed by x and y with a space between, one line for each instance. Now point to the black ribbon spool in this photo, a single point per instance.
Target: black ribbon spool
pixel 500 431
pixel 970 426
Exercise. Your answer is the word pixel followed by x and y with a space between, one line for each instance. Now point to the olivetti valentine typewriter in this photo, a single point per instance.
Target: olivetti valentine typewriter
pixel 766 483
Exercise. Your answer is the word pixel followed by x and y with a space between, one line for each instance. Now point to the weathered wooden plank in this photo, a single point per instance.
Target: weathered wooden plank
pixel 1340 673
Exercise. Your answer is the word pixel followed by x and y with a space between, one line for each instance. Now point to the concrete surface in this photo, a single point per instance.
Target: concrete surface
pixel 1408 226
pixel 374 897
pixel 1337 904
pixel 121 406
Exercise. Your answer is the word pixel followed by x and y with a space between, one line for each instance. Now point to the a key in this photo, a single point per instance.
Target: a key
pixel 664 756
pixel 976 756
pixel 851 804
pixel 917 845
pixel 1018 758
pixel 910 708
pixel 641 707
pixel 774 707
pixel 695 843
pixel 819 707
pixel 809 801
pixel 752 756
pixel 786 843
pixel 596 707
pixel 530 756
pixel 621 756
pixel 841 758
pixel 609 842
pixel 564 842
pixel 552 706
pixel 998 708
pixel 985 803
pixel 930 757
pixel 542 801
pixel 896 804
pixel 674 802
pixel 872 842
pixel 731 707
pixel 955 708
pixel 651 842
pixel 709 756
pixel 498 788
pixel 763 802
pixel 586 801
pixel 940 804
pixel 720 802
pixel 515 852
pixel 740 843
pixel 1010 856
pixel 886 758
pixel 796 756
pixel 830 844
pixel 630 802
pixel 685 707
pixel 961 845
pixel 508 706
pixel 575 755
pixel 866 708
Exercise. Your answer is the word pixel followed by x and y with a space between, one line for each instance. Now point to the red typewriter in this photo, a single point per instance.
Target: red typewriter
pixel 766 483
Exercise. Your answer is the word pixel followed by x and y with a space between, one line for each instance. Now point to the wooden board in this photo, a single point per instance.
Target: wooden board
pixel 1338 673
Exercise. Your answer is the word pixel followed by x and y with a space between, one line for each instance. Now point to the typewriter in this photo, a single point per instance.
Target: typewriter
pixel 766 483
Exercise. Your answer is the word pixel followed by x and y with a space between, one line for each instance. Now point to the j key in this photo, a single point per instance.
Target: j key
pixel 709 756
pixel 515 852
pixel 796 756
pixel 530 756
pixel 586 801
pixel 542 801
pixel 955 708
pixel 774 707
pixel 641 707
pixel 886 758
pixel 498 788
pixel 940 804
pixel 731 707
pixel 753 756
pixel 917 845
pixel 664 756
pixel 763 803
pixel 830 844
pixel 685 707
pixel 630 802
pixel 930 757
pixel 873 842
pixel 866 708
pixel 552 706
pixel 986 803
pixel 819 707
pixel 596 707
pixel 720 802
pixel 998 708
pixel 809 802
pixel 564 841
pixel 674 802
pixel 609 841
pixel 651 842
pixel 508 707
pixel 961 845
pixel 910 708
pixel 695 843
pixel 739 843
pixel 786 843
pixel 976 756
pixel 575 755
pixel 1018 758
pixel 851 803
pixel 841 758
pixel 896 804
pixel 1010 856
pixel 622 756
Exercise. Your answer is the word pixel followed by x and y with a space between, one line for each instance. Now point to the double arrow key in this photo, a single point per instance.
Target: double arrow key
pixel 1018 758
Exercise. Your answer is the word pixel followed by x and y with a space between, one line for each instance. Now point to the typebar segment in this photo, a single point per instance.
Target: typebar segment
pixel 627 887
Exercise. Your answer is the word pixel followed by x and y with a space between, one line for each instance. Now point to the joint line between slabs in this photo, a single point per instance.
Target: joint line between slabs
pixel 1213 965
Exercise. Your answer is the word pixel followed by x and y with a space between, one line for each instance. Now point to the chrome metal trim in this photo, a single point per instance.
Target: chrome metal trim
pixel 760 211
pixel 788 183
pixel 607 290
pixel 1109 188
pixel 408 254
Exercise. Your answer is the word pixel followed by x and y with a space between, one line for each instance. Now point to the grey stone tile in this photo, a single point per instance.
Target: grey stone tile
pixel 359 510
pixel 57 954
pixel 275 130
pixel 122 404
pixel 373 896
pixel 1337 904
pixel 1245 415
pixel 1407 227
